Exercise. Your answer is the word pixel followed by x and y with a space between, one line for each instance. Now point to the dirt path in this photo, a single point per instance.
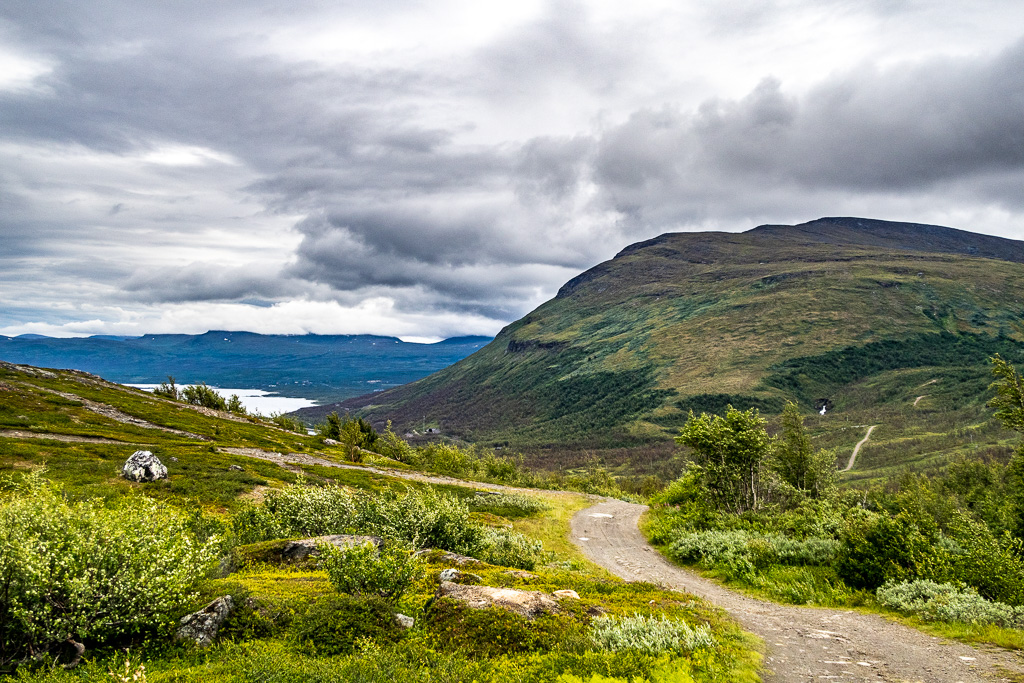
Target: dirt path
pixel 289 460
pixel 802 643
pixel 856 449
pixel 918 400
pixel 67 438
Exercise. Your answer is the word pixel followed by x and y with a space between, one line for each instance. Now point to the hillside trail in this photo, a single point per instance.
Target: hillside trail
pixel 856 449
pixel 802 643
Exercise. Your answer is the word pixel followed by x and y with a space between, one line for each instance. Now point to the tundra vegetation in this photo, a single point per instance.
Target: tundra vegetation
pixel 764 513
pixel 93 564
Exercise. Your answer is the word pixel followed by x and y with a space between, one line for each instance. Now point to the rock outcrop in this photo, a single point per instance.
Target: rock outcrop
pixel 143 466
pixel 297 551
pixel 529 604
pixel 201 627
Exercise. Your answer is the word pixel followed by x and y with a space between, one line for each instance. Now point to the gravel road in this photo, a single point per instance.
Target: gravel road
pixel 801 643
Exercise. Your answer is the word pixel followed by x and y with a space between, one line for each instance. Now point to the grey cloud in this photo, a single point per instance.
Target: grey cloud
pixel 908 129
pixel 206 282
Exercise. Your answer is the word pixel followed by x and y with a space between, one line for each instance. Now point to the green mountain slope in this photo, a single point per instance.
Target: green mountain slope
pixel 699 320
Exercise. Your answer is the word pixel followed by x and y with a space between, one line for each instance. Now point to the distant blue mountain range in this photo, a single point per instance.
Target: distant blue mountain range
pixel 319 367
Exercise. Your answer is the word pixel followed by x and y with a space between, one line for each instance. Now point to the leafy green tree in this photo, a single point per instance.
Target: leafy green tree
pixel 202 395
pixel 168 389
pixel 1009 405
pixel 731 452
pixel 234 405
pixel 813 472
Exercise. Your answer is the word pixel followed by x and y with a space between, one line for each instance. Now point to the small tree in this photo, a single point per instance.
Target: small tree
pixel 795 460
pixel 168 389
pixel 1009 405
pixel 731 451
pixel 202 395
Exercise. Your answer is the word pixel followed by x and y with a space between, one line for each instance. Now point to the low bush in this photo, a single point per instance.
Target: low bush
pixel 366 570
pixel 494 631
pixel 421 518
pixel 744 552
pixel 202 395
pixel 508 504
pixel 336 624
pixel 90 572
pixel 933 601
pixel 508 548
pixel 648 634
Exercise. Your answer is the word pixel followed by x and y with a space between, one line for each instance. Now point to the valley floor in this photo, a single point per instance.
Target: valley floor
pixel 802 643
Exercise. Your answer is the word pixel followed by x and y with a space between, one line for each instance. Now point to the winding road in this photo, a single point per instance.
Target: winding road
pixel 802 643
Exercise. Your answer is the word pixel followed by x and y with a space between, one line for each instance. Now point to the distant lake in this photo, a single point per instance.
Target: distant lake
pixel 254 400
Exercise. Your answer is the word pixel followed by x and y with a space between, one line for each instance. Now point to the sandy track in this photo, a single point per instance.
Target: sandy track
pixel 856 449
pixel 802 643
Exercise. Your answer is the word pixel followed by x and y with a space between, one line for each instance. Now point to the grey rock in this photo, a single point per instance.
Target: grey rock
pixel 443 556
pixel 236 468
pixel 458 576
pixel 143 466
pixel 299 550
pixel 331 442
pixel 525 603
pixel 201 627
pixel 404 621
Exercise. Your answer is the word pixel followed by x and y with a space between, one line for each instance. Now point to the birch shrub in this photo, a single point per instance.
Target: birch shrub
pixel 90 572
pixel 648 634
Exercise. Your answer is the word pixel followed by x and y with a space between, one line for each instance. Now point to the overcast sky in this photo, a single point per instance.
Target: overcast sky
pixel 428 169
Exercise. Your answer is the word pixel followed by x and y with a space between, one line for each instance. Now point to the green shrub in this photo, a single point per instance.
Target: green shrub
pixel 508 548
pixel 508 504
pixel 421 518
pixel 335 624
pixel 944 602
pixel 288 423
pixel 886 548
pixel 493 631
pixel 88 571
pixel 649 634
pixel 744 552
pixel 366 570
pixel 202 395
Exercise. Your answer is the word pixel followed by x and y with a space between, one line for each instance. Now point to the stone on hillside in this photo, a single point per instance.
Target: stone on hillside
pixel 143 466
pixel 435 556
pixel 404 621
pixel 525 603
pixel 201 627
pixel 521 575
pixel 457 576
pixel 566 593
pixel 296 551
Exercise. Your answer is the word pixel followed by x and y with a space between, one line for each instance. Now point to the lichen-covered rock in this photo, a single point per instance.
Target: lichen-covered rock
pixel 566 593
pixel 201 627
pixel 521 575
pixel 143 466
pixel 297 551
pixel 529 604
pixel 458 576
pixel 404 621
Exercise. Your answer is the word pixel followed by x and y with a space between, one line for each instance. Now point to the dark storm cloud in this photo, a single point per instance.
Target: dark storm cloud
pixel 393 190
pixel 947 122
pixel 202 282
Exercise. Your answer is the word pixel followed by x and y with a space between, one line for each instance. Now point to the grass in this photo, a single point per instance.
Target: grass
pixel 260 644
